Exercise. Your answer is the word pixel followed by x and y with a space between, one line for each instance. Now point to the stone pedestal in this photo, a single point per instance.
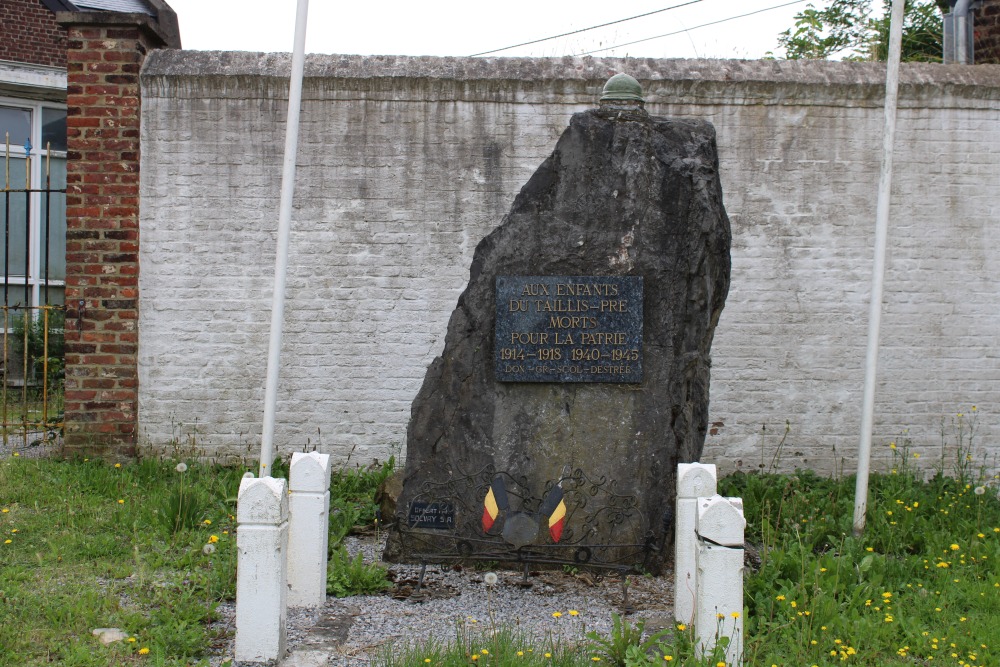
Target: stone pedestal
pixel 261 571
pixel 308 528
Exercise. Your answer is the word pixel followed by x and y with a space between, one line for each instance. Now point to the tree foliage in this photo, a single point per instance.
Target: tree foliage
pixel 847 29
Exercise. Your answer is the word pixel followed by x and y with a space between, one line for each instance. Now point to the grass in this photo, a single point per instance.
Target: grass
pixel 89 544
pixel 148 547
pixel 920 587
pixel 86 545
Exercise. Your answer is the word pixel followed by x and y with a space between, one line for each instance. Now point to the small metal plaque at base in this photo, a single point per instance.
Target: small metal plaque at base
pixel 436 516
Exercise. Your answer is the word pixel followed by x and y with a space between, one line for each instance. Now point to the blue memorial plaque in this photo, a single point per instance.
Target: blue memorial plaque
pixel 568 329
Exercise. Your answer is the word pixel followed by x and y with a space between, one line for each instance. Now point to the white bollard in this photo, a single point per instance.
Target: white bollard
pixel 261 574
pixel 719 605
pixel 308 528
pixel 694 480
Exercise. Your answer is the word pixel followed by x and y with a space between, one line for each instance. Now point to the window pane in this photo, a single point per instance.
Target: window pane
pixel 14 228
pixel 54 128
pixel 16 122
pixel 57 295
pixel 53 221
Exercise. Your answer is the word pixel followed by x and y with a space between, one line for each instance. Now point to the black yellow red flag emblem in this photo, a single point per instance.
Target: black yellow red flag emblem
pixel 496 501
pixel 554 509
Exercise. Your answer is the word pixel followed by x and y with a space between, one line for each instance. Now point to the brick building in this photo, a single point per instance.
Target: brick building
pixel 69 101
pixel 987 33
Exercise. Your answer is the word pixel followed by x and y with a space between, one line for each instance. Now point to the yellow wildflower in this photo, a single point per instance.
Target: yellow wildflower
pixel 144 651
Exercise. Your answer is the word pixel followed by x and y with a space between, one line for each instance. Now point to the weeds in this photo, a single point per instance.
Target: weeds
pixel 347 576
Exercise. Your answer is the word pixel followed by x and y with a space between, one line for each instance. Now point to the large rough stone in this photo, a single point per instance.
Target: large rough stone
pixel 622 194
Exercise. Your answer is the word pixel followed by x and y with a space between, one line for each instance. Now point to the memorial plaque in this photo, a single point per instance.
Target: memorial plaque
pixel 568 329
pixel 438 516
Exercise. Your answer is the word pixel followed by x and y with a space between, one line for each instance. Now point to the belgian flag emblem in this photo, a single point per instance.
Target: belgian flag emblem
pixel 496 500
pixel 554 509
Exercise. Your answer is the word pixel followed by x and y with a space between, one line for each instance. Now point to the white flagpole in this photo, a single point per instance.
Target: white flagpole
pixel 284 227
pixel 878 269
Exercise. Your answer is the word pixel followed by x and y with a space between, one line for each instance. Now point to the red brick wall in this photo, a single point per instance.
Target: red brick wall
pixel 987 39
pixel 31 34
pixel 102 238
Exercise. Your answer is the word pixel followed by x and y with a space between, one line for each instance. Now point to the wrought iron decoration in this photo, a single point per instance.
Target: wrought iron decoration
pixel 495 516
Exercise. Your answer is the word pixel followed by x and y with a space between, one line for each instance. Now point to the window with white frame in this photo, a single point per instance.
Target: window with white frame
pixel 33 204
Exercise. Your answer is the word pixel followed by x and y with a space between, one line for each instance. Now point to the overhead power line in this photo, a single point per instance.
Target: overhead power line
pixel 593 27
pixel 678 32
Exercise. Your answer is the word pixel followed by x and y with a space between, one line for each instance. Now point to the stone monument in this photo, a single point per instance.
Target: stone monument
pixel 575 373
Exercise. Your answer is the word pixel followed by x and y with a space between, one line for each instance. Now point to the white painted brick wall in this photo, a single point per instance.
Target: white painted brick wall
pixel 406 163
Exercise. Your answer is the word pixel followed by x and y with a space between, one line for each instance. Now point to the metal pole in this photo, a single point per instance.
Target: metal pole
pixel 878 269
pixel 284 227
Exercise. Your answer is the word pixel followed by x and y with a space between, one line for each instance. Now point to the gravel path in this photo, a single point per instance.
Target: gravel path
pixel 349 631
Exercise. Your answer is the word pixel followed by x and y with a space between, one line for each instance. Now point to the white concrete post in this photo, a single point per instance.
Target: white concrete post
pixel 261 574
pixel 308 528
pixel 694 480
pixel 719 606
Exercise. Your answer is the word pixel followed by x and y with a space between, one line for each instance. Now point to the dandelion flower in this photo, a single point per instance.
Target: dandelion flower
pixel 144 651
pixel 520 654
pixel 16 454
pixel 556 614
pixel 548 655
pixel 181 467
pixel 485 652
pixel 955 547
pixel 118 465
pixel 427 659
pixel 5 510
pixel 780 598
pixel 596 659
pixel 6 541
pixel 668 658
pixel 735 614
pixel 474 657
pixel 916 455
pixel 574 612
pixel 131 640
pixel 490 579
pixel 208 549
pixel 720 615
pixel 980 490
pixel 212 539
pixel 720 664
pixel 121 501
pixel 681 627
pixel 207 522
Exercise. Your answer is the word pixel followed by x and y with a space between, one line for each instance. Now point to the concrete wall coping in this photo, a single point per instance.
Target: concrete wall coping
pixel 660 77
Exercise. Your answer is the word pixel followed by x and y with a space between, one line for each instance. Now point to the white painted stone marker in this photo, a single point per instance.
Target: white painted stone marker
pixel 694 480
pixel 308 528
pixel 261 571
pixel 719 602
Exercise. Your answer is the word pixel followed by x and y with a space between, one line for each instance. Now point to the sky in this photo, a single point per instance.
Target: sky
pixel 452 28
